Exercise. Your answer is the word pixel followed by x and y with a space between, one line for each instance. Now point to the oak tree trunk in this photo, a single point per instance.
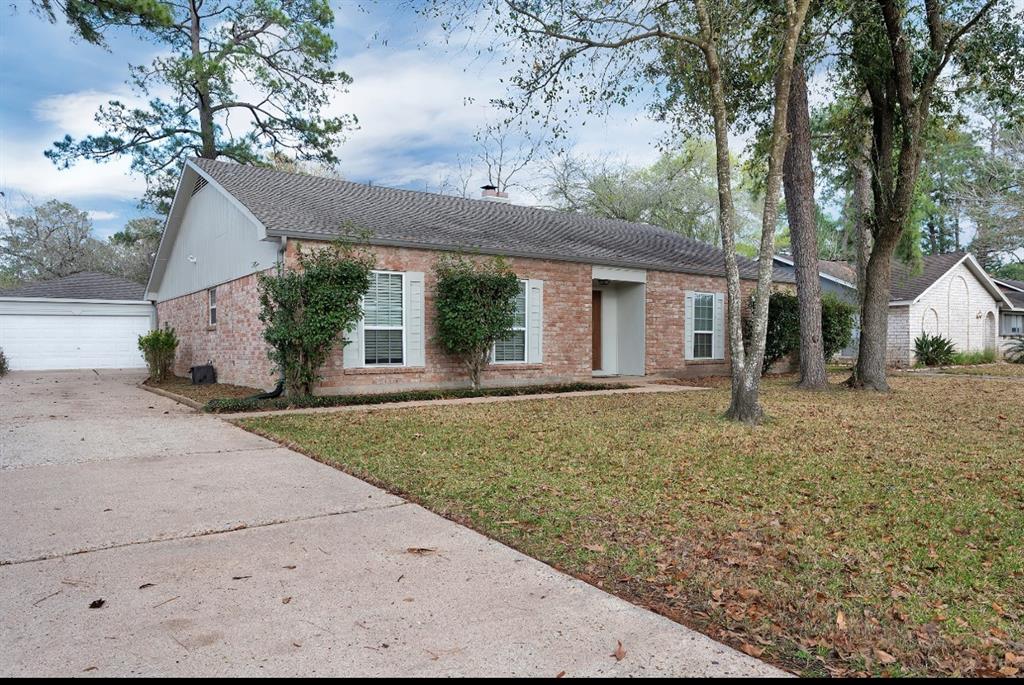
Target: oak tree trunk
pixel 870 371
pixel 798 182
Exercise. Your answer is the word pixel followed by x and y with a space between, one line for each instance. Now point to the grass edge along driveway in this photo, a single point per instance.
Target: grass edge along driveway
pixel 852 535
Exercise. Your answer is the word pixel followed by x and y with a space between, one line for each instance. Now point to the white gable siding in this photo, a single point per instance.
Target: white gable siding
pixel 222 239
pixel 958 306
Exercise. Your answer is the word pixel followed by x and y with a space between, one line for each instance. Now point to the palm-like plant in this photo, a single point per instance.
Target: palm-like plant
pixel 1016 352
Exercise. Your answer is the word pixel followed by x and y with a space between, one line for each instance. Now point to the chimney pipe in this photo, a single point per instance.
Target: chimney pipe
pixel 491 193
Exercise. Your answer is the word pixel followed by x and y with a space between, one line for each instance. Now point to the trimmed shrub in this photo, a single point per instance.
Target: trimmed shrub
pixel 248 404
pixel 158 347
pixel 476 306
pixel 783 333
pixel 933 350
pixel 306 310
pixel 4 366
pixel 1015 354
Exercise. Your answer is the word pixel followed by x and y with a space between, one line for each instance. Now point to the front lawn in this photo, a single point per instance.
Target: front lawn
pixel 853 534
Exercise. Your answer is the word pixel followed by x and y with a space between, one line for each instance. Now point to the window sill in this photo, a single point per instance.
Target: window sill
pixel 702 362
pixel 211 327
pixel 514 365
pixel 372 370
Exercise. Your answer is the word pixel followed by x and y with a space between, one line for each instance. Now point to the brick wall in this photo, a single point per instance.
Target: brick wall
pixel 235 345
pixel 236 348
pixel 567 288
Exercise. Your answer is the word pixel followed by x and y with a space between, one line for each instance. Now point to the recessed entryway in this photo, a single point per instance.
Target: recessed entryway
pixel 617 321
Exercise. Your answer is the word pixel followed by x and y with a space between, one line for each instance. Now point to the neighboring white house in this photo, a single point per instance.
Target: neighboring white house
pixel 951 296
pixel 84 321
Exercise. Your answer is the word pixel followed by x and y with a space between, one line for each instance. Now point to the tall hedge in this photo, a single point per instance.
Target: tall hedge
pixel 783 336
pixel 475 304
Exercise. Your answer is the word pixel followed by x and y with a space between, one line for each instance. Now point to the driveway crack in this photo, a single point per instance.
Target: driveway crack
pixel 200 534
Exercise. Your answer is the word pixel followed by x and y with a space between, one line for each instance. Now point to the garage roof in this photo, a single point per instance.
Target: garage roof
pixel 88 285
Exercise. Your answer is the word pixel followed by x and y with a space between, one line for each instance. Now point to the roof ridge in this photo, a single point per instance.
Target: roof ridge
pixel 499 206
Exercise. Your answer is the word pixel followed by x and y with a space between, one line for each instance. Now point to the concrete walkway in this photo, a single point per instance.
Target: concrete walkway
pixel 204 550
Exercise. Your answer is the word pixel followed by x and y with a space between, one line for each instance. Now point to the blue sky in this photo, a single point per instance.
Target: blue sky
pixel 410 93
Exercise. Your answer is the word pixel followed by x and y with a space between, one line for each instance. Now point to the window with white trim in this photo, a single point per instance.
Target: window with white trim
pixel 703 325
pixel 212 302
pixel 513 348
pixel 384 320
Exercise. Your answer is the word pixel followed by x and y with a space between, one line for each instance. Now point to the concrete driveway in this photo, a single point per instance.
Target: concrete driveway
pixel 209 551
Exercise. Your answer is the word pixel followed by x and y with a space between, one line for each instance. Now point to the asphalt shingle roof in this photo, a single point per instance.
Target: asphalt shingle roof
pixel 87 285
pixel 313 207
pixel 907 286
pixel 1016 297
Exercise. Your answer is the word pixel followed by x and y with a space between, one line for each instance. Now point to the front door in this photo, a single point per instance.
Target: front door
pixel 596 349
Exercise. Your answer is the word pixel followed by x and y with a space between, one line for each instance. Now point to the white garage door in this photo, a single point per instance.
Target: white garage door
pixel 37 342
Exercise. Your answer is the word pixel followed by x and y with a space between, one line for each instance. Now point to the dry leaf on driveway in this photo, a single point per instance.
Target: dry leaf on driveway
pixel 620 652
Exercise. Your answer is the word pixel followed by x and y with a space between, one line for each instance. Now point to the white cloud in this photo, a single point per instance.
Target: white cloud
pixel 101 215
pixel 419 110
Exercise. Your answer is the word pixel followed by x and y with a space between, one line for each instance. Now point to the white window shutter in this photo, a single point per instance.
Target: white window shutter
pixel 719 327
pixel 352 355
pixel 414 325
pixel 535 322
pixel 688 332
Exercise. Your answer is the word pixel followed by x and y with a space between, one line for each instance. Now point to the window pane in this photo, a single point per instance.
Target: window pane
pixel 511 350
pixel 520 318
pixel 383 303
pixel 702 345
pixel 703 312
pixel 383 347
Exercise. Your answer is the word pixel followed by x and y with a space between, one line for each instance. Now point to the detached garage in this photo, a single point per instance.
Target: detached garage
pixel 84 321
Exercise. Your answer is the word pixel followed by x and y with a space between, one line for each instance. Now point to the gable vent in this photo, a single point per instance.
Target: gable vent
pixel 200 184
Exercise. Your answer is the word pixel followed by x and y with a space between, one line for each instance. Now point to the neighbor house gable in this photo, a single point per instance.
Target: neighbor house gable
pixel 936 279
pixel 209 238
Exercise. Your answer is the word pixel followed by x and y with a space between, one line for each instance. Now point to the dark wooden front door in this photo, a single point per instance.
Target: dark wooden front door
pixel 596 351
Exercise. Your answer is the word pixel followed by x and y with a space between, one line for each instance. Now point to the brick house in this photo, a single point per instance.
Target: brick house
pixel 598 297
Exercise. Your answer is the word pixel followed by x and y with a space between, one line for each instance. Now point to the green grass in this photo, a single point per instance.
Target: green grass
pixel 976 357
pixel 903 512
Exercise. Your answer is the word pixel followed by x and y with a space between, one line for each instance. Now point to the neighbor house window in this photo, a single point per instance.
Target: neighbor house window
pixel 384 320
pixel 703 325
pixel 513 348
pixel 212 293
pixel 1014 324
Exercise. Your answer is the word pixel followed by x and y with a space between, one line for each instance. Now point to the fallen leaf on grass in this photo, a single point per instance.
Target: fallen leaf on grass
pixel 1009 671
pixel 884 657
pixel 594 548
pixel 620 652
pixel 751 650
pixel 840 620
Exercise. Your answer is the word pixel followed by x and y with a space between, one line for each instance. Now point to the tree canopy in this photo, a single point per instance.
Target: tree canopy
pixel 235 79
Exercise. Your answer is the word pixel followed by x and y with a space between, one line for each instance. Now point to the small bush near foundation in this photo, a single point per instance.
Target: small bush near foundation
pixel 226 406
pixel 158 347
pixel 933 350
pixel 4 368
